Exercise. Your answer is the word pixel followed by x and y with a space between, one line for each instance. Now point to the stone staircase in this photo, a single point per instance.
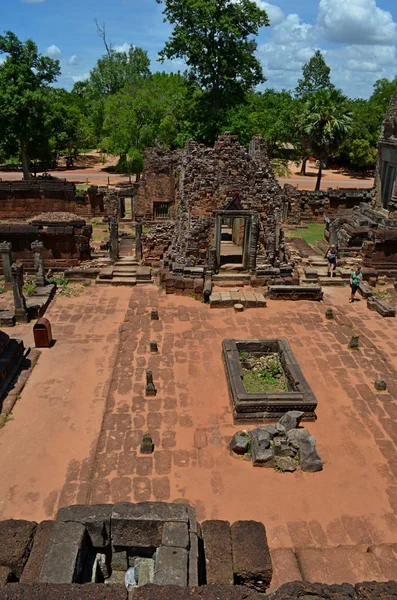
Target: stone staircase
pixel 126 271
pixel 334 565
pixel 315 271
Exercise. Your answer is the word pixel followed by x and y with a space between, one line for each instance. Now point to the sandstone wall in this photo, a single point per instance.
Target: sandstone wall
pixel 26 199
pixel 66 242
pixel 302 206
pixel 158 183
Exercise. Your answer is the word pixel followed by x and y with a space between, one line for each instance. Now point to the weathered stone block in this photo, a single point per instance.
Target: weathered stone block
pixel 309 458
pixel 95 517
pixel 176 535
pixel 285 463
pixel 261 456
pixel 65 554
pixel 291 419
pixel 16 539
pixel 240 442
pixel 261 436
pixel 194 578
pixel 380 385
pixel 32 570
pixel 141 525
pixel 218 552
pixel 119 560
pixel 171 567
pixel 252 565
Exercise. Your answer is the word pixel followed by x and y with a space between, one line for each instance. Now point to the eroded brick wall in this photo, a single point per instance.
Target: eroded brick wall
pixel 158 183
pixel 303 206
pixel 26 199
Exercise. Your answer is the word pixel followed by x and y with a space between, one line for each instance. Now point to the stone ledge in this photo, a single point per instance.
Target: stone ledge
pixel 229 299
pixel 384 309
pixel 295 292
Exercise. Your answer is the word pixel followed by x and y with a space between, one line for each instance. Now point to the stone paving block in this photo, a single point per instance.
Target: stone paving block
pixel 252 565
pixel 260 300
pixel 65 553
pixel 218 552
pixel 194 577
pixel 32 570
pixel 312 564
pixel 171 567
pixel 95 517
pixel 285 566
pixel 16 541
pixel 141 525
pixel 176 535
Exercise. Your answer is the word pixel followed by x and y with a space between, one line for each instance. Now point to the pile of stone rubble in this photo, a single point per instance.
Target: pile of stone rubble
pixel 284 446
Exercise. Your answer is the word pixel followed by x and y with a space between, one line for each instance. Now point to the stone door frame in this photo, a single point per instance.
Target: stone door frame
pixel 251 231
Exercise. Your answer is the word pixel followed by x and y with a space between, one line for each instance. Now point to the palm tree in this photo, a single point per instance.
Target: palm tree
pixel 324 124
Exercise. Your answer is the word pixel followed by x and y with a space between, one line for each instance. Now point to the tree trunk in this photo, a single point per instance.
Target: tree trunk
pixel 319 174
pixel 25 167
pixel 303 167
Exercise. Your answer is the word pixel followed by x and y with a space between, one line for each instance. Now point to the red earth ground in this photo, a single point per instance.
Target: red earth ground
pixel 89 169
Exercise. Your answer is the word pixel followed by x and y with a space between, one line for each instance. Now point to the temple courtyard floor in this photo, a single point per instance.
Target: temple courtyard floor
pixel 75 432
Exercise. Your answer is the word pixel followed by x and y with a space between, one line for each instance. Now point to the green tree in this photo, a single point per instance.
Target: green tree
pixel 148 114
pixel 216 38
pixel 382 93
pixel 325 123
pixel 316 75
pixel 24 78
pixel 362 153
pixel 270 114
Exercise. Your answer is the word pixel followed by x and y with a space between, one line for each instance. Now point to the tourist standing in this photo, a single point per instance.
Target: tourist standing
pixel 332 260
pixel 355 280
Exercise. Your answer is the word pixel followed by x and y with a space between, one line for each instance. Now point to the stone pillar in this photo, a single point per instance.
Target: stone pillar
pixel 254 242
pixel 278 231
pixel 21 311
pixel 114 239
pixel 6 259
pixel 212 259
pixel 138 241
pixel 37 249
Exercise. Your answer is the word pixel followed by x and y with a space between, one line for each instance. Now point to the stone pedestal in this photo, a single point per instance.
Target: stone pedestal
pixel 114 239
pixel 6 259
pixel 37 249
pixel 138 241
pixel 21 311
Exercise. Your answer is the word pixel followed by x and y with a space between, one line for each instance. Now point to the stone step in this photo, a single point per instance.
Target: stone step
pixel 222 276
pixel 124 271
pixel 331 281
pixel 248 299
pixel 126 260
pixel 117 281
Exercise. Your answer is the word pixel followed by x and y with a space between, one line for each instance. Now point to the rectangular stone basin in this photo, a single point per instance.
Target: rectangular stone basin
pixel 252 408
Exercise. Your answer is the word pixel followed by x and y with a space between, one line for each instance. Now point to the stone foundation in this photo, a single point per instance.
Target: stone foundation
pixel 65 237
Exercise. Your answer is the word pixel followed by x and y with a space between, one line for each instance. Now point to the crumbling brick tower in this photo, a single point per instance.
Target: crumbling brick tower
pixel 218 182
pixel 386 176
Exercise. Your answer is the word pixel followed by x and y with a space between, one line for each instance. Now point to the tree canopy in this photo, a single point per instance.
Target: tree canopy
pixel 24 79
pixel 316 75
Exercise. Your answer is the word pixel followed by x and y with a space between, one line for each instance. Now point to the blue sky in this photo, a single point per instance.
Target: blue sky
pixel 358 37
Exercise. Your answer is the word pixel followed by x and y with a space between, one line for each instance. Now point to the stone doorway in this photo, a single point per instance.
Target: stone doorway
pixel 233 239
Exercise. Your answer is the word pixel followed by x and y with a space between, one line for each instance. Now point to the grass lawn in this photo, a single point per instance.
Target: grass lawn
pixel 313 233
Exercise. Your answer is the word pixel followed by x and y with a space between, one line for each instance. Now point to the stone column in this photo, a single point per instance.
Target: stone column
pixel 254 242
pixel 37 249
pixel 138 241
pixel 21 311
pixel 114 239
pixel 6 259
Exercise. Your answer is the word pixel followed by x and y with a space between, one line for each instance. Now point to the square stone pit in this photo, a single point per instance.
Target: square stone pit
pixel 252 408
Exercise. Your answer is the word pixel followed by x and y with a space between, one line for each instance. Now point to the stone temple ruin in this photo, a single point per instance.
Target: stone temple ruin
pixel 369 231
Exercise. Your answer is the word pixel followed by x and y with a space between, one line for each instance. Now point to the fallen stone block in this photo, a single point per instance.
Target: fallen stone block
pixel 309 458
pixel 218 552
pixel 285 464
pixel 295 292
pixel 380 385
pixel 240 443
pixel 384 309
pixel 171 567
pixel 291 419
pixel 261 456
pixel 294 435
pixel 262 436
pixel 252 565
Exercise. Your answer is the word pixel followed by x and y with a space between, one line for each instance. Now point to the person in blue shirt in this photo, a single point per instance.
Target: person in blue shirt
pixel 355 280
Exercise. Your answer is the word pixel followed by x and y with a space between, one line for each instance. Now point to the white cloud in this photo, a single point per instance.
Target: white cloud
pixel 356 22
pixel 77 78
pixel 275 13
pixel 123 48
pixel 74 60
pixel 53 51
